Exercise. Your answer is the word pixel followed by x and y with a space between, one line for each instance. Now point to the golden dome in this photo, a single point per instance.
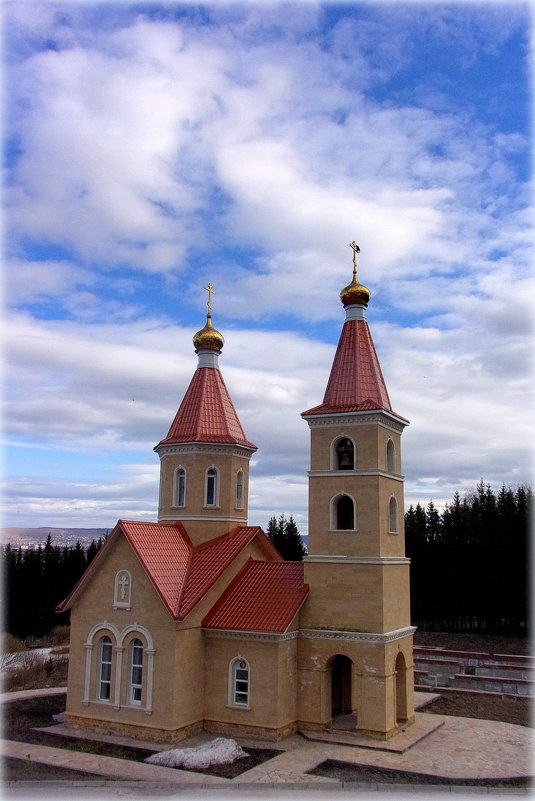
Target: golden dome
pixel 355 292
pixel 208 338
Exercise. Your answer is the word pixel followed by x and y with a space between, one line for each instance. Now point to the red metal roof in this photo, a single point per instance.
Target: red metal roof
pixel 264 596
pixel 207 413
pixel 180 572
pixel 211 558
pixel 356 382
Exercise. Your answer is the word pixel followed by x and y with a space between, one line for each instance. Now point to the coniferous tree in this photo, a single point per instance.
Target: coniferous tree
pixel 286 538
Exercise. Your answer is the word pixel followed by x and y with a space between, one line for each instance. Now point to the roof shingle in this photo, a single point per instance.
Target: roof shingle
pixel 207 413
pixel 264 596
pixel 356 382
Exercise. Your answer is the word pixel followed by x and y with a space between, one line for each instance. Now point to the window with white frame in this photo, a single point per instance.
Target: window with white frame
pixel 392 516
pixel 390 456
pixel 136 671
pixel 211 487
pixel 239 490
pixel 239 683
pixel 180 487
pixel 105 660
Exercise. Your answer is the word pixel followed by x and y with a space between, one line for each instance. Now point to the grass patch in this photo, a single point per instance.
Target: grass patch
pixel 366 774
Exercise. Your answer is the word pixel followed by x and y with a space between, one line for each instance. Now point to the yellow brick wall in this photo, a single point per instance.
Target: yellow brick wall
pixel 196 464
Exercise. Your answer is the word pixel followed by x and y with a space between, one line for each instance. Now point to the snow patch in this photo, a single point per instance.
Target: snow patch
pixel 220 751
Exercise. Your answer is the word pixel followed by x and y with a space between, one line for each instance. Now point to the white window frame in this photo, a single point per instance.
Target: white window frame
pixel 135 647
pixel 239 685
pixel 239 489
pixel 105 641
pixel 393 516
pixel 180 475
pixel 333 514
pixel 215 502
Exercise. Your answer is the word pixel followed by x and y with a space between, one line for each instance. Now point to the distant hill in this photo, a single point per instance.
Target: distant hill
pixel 60 536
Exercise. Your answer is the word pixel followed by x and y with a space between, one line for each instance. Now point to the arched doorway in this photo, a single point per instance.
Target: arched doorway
pixel 341 686
pixel 400 669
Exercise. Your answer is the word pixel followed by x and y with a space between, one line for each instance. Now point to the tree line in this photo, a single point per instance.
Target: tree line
pixel 470 562
pixel 469 567
pixel 36 580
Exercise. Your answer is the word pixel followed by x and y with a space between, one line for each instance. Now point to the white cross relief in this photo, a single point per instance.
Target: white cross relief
pixel 123 583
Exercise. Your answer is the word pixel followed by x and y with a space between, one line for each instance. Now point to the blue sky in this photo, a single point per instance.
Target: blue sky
pixel 151 148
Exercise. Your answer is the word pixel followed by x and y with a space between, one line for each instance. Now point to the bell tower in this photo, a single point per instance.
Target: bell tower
pixel 204 459
pixel 358 606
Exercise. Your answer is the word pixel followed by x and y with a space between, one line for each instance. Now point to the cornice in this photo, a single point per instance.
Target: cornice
pixel 204 518
pixel 357 560
pixel 364 418
pixel 361 472
pixel 204 448
pixel 258 636
pixel 357 636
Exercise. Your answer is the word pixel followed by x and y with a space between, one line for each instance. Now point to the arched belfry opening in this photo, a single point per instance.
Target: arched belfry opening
pixel 400 670
pixel 341 703
pixel 344 513
pixel 344 452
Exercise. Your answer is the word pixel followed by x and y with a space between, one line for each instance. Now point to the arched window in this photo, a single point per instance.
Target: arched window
pixel 180 487
pixel 136 671
pixel 211 487
pixel 104 669
pixel 239 490
pixel 239 682
pixel 344 513
pixel 393 516
pixel 390 456
pixel 344 454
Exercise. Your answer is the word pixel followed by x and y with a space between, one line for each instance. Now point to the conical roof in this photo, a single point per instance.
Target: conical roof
pixel 356 382
pixel 207 413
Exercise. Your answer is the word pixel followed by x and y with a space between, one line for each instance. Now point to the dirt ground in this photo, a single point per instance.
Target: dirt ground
pixel 487 643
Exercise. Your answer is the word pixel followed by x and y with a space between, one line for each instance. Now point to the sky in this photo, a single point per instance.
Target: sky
pixel 150 148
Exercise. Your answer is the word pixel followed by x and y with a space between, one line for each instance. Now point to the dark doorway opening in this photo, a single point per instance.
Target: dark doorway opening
pixel 341 685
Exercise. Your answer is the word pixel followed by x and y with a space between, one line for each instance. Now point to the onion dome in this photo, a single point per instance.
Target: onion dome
pixel 355 292
pixel 208 338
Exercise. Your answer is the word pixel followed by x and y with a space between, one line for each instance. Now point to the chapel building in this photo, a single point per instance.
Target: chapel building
pixel 197 623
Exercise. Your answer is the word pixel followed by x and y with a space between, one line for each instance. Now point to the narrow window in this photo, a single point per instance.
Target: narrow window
pixel 345 454
pixel 390 456
pixel 239 490
pixel 136 673
pixel 211 486
pixel 240 683
pixel 105 656
pixel 180 487
pixel 345 513
pixel 393 516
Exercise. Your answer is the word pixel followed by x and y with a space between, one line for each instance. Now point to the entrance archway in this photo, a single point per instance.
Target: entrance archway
pixel 400 669
pixel 341 685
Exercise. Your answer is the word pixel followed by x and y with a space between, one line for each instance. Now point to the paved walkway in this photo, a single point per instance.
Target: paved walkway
pixel 451 747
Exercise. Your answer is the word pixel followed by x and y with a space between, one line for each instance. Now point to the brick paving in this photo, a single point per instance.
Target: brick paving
pixel 452 747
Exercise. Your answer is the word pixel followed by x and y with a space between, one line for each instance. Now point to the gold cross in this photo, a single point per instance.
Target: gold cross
pixel 210 292
pixel 355 248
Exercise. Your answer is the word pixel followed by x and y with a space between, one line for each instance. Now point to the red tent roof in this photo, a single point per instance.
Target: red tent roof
pixel 264 596
pixel 207 413
pixel 180 572
pixel 356 382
